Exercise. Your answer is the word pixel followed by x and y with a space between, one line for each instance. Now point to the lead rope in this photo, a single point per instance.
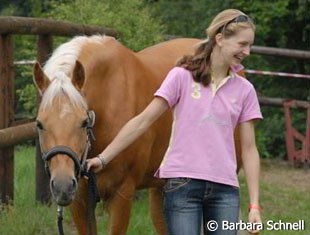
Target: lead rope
pixel 59 220
pixel 93 198
pixel 91 190
pixel 93 195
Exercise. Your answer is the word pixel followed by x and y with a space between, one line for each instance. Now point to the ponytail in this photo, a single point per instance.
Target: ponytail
pixel 199 63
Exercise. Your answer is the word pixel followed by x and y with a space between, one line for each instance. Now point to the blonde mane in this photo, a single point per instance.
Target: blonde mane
pixel 59 70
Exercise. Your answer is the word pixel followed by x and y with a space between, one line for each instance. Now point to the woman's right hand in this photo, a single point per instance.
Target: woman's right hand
pixel 94 164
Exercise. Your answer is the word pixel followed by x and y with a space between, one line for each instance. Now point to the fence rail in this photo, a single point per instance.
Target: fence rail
pixel 289 53
pixel 37 26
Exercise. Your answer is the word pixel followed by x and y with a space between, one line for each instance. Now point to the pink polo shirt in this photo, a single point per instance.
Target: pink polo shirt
pixel 202 139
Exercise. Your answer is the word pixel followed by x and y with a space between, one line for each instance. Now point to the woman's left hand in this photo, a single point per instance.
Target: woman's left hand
pixel 255 219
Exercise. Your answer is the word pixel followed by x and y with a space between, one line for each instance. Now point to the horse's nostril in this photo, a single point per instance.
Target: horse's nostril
pixel 74 183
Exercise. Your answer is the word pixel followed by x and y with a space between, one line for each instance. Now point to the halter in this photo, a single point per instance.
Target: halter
pixel 79 164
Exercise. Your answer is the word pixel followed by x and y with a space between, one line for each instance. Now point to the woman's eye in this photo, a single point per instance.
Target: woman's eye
pixel 39 125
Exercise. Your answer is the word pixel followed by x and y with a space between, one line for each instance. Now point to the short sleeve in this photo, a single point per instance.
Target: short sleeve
pixel 251 109
pixel 170 88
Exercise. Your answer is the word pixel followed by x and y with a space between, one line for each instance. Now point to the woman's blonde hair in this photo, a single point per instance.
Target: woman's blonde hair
pixel 227 22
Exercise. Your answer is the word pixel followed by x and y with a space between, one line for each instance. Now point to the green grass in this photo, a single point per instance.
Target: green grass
pixel 284 195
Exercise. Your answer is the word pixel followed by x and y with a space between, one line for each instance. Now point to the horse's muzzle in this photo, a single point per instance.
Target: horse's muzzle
pixel 63 190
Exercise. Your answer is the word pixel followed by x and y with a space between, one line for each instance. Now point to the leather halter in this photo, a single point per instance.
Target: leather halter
pixel 79 164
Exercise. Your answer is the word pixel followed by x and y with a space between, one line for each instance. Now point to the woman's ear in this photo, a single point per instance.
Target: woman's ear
pixel 219 39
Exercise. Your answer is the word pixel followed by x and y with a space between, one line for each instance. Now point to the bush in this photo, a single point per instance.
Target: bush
pixel 131 19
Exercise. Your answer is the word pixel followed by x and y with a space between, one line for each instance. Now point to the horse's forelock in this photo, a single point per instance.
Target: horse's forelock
pixel 59 69
pixel 62 85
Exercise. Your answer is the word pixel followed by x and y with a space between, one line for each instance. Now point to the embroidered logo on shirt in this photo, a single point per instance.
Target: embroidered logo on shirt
pixel 196 90
pixel 214 119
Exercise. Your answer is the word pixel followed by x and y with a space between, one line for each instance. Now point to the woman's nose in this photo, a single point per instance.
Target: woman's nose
pixel 246 50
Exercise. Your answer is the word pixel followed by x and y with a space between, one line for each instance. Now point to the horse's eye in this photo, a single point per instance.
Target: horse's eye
pixel 39 125
pixel 85 123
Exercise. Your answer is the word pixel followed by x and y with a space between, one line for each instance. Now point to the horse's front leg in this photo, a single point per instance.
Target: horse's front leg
pixel 156 210
pixel 119 207
pixel 82 213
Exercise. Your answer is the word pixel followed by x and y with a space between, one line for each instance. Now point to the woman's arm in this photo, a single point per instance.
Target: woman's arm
pixel 251 165
pixel 129 133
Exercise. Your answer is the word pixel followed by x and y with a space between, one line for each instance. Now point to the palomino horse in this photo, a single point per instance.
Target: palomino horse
pixel 100 74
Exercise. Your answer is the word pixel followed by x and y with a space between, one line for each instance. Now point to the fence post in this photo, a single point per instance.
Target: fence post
pixel 6 117
pixel 43 195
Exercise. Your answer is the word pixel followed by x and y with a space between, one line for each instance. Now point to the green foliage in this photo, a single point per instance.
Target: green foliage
pixel 136 31
pixel 27 97
pixel 25 91
pixel 8 10
pixel 271 134
pixel 187 18
pixel 22 7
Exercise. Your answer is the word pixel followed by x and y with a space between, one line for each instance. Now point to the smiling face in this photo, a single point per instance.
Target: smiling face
pixel 234 49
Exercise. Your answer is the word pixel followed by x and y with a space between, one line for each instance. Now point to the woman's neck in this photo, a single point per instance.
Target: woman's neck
pixel 219 69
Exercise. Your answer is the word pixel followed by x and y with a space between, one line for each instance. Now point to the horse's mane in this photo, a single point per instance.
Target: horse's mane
pixel 59 69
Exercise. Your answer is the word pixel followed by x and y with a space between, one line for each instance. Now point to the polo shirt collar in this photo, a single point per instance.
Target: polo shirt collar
pixel 234 69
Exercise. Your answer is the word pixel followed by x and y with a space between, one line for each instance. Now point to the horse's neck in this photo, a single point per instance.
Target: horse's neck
pixel 111 69
pixel 162 57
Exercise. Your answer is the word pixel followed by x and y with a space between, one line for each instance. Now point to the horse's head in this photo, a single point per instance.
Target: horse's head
pixel 63 124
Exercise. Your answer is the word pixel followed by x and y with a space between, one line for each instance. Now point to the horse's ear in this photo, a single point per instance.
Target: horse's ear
pixel 78 75
pixel 39 78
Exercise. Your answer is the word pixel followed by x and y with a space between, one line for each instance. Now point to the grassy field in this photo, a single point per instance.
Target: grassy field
pixel 285 193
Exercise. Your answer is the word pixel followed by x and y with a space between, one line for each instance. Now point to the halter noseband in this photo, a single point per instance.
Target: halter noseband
pixel 62 150
pixel 79 164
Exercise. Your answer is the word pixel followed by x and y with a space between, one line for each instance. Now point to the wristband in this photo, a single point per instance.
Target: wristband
pixel 103 162
pixel 257 207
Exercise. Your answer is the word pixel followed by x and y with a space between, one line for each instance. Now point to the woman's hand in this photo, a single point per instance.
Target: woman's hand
pixel 95 164
pixel 255 218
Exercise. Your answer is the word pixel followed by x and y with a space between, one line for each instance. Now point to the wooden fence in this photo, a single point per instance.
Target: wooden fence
pixel 12 134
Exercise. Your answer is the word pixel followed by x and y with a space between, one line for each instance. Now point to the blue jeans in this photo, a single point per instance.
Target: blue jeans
pixel 189 202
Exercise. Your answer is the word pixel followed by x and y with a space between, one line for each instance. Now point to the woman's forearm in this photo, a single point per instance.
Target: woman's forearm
pixel 251 164
pixel 135 128
pixel 127 135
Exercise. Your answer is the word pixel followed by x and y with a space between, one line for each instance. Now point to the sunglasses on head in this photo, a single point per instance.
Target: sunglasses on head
pixel 238 19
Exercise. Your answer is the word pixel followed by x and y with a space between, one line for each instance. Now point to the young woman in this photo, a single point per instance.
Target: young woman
pixel 208 99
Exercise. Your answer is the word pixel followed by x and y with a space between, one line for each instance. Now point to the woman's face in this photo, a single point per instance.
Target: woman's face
pixel 236 48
